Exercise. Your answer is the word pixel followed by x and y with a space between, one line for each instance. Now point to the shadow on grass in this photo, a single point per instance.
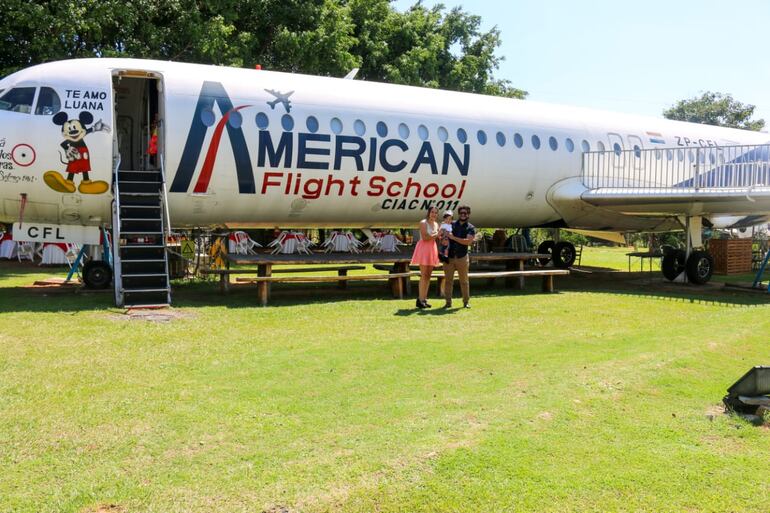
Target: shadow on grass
pixel 203 294
pixel 440 310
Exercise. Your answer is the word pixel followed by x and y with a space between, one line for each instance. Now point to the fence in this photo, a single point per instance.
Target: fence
pixel 717 167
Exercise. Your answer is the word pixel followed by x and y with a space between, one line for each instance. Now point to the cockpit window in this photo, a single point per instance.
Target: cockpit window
pixel 18 99
pixel 48 102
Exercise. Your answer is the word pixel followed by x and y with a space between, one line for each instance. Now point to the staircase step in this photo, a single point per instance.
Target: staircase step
pixel 145 297
pixel 144 291
pixel 139 187
pixel 128 226
pixel 139 194
pixel 139 176
pixel 143 268
pixel 141 253
pixel 130 206
pixel 149 281
pixel 139 200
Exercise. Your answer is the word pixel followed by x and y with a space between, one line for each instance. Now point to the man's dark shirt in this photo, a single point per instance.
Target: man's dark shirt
pixel 461 231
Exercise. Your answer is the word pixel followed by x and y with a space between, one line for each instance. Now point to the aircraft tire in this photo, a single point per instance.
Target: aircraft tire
pixel 546 247
pixel 563 255
pixel 700 267
pixel 672 264
pixel 97 274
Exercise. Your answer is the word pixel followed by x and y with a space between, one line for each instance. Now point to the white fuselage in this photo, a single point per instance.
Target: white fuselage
pixel 259 148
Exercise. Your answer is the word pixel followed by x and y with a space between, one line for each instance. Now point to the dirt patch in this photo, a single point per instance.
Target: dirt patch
pixel 104 508
pixel 715 411
pixel 54 282
pixel 162 315
pixel 276 509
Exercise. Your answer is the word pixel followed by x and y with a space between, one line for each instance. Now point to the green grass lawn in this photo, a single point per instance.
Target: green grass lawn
pixel 598 398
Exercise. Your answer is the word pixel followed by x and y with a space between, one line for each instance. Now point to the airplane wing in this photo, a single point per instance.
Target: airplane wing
pixel 681 201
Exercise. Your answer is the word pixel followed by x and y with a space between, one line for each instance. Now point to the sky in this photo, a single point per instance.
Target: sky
pixel 632 57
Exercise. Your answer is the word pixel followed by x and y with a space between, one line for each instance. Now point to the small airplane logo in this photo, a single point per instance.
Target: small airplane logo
pixel 282 98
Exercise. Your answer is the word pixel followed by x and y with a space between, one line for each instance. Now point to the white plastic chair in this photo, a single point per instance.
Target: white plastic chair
pixel 25 250
pixel 246 243
pixel 303 243
pixel 72 254
pixel 343 242
pixel 390 243
pixel 241 244
pixel 291 242
pixel 278 243
pixel 374 242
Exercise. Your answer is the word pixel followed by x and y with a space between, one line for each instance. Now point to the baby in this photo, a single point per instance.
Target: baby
pixel 444 229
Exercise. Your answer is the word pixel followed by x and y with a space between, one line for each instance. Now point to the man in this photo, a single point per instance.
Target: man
pixel 463 233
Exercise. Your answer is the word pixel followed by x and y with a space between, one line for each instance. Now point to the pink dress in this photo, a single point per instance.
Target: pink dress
pixel 425 252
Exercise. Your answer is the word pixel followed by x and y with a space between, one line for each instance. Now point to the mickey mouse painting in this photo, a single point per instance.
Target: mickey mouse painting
pixel 77 155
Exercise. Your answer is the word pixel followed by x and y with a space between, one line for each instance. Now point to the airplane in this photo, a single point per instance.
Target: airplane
pixel 74 157
pixel 280 98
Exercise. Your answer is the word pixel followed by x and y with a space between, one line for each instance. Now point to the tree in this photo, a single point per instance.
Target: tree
pixel 426 47
pixel 715 109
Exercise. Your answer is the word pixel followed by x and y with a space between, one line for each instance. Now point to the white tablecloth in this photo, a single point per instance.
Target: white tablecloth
pixel 53 255
pixel 8 249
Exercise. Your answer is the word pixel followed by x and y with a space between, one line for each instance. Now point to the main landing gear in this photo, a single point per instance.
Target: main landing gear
pixel 562 253
pixel 693 265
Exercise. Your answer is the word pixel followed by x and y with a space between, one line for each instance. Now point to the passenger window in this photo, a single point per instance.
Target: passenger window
pixel 18 99
pixel 552 143
pixel 48 102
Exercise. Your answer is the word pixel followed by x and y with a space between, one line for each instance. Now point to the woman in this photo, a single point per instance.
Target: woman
pixel 426 254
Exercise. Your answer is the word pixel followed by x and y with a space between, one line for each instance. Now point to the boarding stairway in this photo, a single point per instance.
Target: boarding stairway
pixel 140 226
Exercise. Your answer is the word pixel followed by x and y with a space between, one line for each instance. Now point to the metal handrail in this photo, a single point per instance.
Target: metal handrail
pixel 166 214
pixel 116 263
pixel 739 167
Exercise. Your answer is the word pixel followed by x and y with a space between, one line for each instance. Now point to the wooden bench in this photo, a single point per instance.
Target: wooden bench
pixel 342 273
pixel 547 274
pixel 264 292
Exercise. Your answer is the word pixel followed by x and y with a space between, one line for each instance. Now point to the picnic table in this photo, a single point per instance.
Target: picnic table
pixel 398 276
pixel 642 255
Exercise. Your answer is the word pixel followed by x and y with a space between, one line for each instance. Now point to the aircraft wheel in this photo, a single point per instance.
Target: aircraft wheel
pixel 97 274
pixel 672 264
pixel 564 255
pixel 700 267
pixel 546 247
